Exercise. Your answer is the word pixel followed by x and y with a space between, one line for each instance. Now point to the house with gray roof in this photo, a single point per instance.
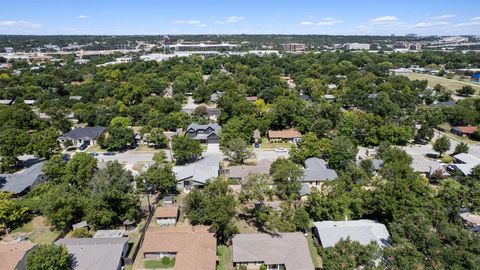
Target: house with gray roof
pixel 316 172
pixel 209 133
pixel 197 174
pixel 364 231
pixel 85 135
pixel 464 163
pixel 287 250
pixel 21 182
pixel 96 253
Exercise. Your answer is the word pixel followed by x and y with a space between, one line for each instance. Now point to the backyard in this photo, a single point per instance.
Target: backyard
pixel 449 84
pixel 224 254
pixel 36 231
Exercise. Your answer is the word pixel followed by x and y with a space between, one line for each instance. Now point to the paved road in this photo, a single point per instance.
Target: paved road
pixel 269 154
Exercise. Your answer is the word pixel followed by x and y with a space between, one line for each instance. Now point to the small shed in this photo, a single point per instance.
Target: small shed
pixel 81 224
pixel 166 215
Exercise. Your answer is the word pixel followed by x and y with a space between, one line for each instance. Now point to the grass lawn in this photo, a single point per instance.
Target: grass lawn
pixel 448 83
pixel 36 231
pixel 162 263
pixel 316 259
pixel 268 145
pixel 147 149
pixel 134 237
pixel 224 258
pixel 94 148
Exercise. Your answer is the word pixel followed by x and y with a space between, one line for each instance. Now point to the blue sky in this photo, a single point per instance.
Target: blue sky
pixel 349 17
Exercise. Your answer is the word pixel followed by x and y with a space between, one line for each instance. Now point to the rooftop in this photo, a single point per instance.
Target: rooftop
pixel 284 134
pixel 289 249
pixel 86 133
pixel 166 212
pixel 316 170
pixel 95 253
pixel 109 233
pixel 364 231
pixel 18 182
pixel 195 246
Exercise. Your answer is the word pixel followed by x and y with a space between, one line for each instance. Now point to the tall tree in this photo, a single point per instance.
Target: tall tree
pixel 237 150
pixel 49 257
pixel 441 145
pixel 185 149
pixel 286 176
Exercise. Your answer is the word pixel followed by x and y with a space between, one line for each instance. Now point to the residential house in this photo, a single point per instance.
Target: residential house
pixel 83 136
pixel 96 253
pixel 364 231
pixel 6 102
pixel 241 172
pixel 209 133
pixel 251 98
pixel 282 251
pixel 427 167
pixel 316 172
pixel 21 182
pixel 193 247
pixel 464 131
pixel 464 163
pixel 166 215
pixel 13 255
pixel 291 135
pixel 194 175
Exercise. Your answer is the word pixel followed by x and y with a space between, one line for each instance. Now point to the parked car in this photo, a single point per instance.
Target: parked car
pixel 109 154
pixel 93 154
pixel 83 147
pixel 281 150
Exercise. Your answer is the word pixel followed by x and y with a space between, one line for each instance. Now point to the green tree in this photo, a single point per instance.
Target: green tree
pixel 256 187
pixel 10 212
pixel 160 177
pixel 441 145
pixel 13 143
pixel 80 169
pixel 118 137
pixel 237 150
pixel 286 176
pixel 157 137
pixel 348 254
pixel 301 219
pixel 48 257
pixel 342 154
pixel 121 121
pixel 185 149
pixel 461 148
pixel 310 146
pixel 466 91
pixel 44 143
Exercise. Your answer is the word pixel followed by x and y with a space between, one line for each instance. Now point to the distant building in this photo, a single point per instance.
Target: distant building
pixel 294 47
pixel 96 253
pixel 464 163
pixel 464 131
pixel 185 47
pixel 83 136
pixel 364 231
pixel 357 46
pixel 241 172
pixel 281 251
pixel 21 182
pixel 81 61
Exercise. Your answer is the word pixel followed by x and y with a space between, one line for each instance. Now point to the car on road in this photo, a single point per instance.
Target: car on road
pixel 109 154
pixel 281 150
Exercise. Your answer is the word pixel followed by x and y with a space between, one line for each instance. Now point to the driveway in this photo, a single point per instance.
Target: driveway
pixel 270 155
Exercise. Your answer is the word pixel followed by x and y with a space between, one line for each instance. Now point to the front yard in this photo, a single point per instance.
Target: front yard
pixel 271 145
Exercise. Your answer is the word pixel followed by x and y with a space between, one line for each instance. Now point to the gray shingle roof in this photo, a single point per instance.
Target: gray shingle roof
pixel 18 182
pixel 289 249
pixel 95 253
pixel 195 127
pixel 316 170
pixel 86 133
pixel 364 231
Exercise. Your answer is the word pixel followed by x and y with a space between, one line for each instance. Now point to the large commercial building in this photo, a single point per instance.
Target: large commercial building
pixel 294 47
pixel 186 47
pixel 357 46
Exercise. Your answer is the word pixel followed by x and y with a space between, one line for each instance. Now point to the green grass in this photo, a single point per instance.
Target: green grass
pixel 37 232
pixel 165 262
pixel 268 145
pixel 316 259
pixel 449 84
pixel 134 238
pixel 224 258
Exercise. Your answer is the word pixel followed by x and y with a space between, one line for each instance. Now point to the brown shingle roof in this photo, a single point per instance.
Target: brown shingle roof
pixel 284 134
pixel 466 129
pixel 12 253
pixel 195 246
pixel 166 212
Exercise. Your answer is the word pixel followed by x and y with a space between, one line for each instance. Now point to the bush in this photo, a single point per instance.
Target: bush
pixel 446 159
pixel 81 233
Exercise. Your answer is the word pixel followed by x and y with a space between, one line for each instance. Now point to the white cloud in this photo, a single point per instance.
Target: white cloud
pixel 82 17
pixel 471 23
pixel 187 22
pixel 475 19
pixel 306 23
pixel 429 24
pixel 19 24
pixel 231 19
pixel 203 25
pixel 443 17
pixel 384 20
pixel 193 22
pixel 329 22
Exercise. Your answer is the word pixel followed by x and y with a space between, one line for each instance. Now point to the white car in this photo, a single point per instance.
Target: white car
pixel 281 150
